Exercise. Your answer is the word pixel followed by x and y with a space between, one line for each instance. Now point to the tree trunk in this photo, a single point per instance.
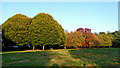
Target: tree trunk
pixel 65 47
pixel 43 47
pixel 33 47
pixel 89 46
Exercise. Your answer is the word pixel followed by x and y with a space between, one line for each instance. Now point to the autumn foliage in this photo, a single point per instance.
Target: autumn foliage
pixel 82 38
pixel 43 30
pixel 75 39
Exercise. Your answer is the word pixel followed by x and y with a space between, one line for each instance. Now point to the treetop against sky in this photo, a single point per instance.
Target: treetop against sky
pixel 98 16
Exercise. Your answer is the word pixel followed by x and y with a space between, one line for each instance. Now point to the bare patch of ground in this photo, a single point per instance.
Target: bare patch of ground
pixel 22 61
pixel 14 58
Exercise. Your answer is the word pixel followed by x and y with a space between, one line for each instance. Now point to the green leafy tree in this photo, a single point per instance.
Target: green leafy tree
pixel 105 40
pixel 15 30
pixel 44 30
pixel 102 33
pixel 115 37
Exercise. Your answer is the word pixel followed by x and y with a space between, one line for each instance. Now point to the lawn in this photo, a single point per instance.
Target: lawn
pixel 78 57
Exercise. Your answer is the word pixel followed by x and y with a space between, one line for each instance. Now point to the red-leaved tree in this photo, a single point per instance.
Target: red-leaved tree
pixel 90 38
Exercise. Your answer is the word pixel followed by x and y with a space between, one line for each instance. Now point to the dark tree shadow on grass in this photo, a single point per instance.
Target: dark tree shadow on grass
pixel 34 59
pixel 55 66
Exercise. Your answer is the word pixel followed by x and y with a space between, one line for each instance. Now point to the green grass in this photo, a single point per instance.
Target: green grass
pixel 80 57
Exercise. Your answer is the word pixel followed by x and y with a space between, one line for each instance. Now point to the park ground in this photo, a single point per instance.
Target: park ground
pixel 62 57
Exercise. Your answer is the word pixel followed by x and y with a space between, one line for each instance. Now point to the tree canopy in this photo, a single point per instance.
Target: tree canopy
pixel 115 37
pixel 75 39
pixel 105 40
pixel 15 29
pixel 44 30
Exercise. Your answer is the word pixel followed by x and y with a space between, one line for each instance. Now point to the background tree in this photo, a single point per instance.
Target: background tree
pixel 44 30
pixel 15 30
pixel 92 40
pixel 96 33
pixel 78 39
pixel 105 40
pixel 66 34
pixel 115 37
pixel 83 35
pixel 69 41
pixel 75 39
pixel 102 33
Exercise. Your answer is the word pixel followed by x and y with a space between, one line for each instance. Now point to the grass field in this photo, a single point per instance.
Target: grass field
pixel 79 57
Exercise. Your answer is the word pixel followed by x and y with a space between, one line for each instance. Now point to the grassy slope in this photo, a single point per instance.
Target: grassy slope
pixel 80 57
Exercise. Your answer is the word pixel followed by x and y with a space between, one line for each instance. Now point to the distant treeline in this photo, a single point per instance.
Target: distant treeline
pixel 42 32
pixel 85 38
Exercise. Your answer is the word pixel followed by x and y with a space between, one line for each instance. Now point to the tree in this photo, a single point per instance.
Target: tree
pixel 75 39
pixel 102 33
pixel 69 38
pixel 15 30
pixel 105 40
pixel 115 37
pixel 78 39
pixel 96 33
pixel 92 40
pixel 66 34
pixel 44 30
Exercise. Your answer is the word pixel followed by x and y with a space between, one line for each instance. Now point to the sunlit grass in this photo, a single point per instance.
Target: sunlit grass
pixel 7 52
pixel 76 57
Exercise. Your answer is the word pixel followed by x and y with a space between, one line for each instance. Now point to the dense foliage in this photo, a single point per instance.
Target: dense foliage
pixel 15 30
pixel 115 37
pixel 85 38
pixel 92 40
pixel 105 40
pixel 42 30
pixel 75 39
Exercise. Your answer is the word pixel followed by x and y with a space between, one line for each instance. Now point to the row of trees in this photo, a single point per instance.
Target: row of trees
pixel 84 38
pixel 43 30
pixel 115 37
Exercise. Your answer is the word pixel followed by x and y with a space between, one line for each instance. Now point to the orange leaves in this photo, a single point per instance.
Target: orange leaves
pixel 75 39
pixel 85 45
pixel 82 37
